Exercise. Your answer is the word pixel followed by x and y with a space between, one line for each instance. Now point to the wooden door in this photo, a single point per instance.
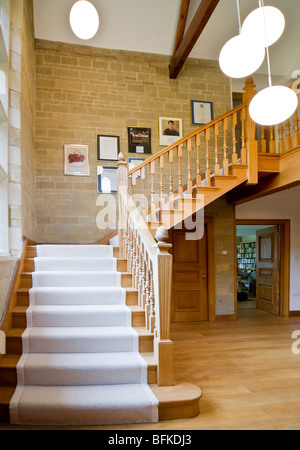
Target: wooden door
pixel 268 270
pixel 190 279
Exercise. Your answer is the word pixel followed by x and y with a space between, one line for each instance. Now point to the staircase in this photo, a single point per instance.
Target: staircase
pixel 177 182
pixel 171 186
pixel 185 403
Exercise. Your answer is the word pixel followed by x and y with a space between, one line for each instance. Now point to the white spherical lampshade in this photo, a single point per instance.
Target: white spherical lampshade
pixel 265 25
pixel 273 105
pixel 84 19
pixel 240 57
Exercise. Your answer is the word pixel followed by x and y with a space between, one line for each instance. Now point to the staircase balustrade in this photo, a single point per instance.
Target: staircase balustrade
pixel 150 263
pixel 187 169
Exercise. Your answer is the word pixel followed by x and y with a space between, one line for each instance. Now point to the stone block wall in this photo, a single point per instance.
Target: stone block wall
pixel 21 192
pixel 224 241
pixel 21 125
pixel 83 91
pixel 7 267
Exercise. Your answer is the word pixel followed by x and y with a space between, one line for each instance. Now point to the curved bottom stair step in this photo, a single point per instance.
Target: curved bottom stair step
pixel 181 401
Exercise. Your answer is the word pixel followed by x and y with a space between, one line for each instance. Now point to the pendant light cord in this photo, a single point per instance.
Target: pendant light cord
pixel 261 4
pixel 239 16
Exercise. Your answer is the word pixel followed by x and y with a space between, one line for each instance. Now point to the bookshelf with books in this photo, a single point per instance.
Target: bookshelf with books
pixel 246 255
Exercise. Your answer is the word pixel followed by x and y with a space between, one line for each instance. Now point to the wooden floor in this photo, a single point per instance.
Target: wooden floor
pixel 246 369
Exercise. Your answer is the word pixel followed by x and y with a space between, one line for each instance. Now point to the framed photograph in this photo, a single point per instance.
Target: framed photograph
pixel 170 130
pixel 107 180
pixel 139 140
pixel 202 112
pixel 76 160
pixel 134 162
pixel 108 148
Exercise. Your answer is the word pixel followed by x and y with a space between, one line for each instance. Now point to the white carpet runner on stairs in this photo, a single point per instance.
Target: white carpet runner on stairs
pixel 80 363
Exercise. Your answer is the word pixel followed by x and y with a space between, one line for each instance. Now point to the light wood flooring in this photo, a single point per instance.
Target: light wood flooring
pixel 248 374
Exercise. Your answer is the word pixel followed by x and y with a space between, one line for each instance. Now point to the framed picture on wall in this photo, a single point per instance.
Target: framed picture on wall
pixel 139 140
pixel 108 148
pixel 107 180
pixel 170 130
pixel 76 160
pixel 202 112
pixel 134 162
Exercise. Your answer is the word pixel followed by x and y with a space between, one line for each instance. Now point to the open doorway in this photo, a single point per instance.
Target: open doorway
pixel 263 261
pixel 247 264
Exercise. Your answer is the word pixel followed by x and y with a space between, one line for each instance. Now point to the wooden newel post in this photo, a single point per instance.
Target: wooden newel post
pixel 252 144
pixel 122 189
pixel 163 346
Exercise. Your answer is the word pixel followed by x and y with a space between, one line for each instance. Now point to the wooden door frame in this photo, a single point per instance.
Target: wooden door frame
pixel 211 288
pixel 285 257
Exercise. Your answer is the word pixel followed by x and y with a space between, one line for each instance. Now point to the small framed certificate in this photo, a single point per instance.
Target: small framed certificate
pixel 134 162
pixel 107 182
pixel 202 112
pixel 108 148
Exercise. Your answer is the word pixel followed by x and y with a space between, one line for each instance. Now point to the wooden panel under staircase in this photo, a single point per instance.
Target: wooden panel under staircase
pixel 186 401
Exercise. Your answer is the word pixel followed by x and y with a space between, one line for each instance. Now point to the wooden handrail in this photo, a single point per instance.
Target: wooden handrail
pixel 186 138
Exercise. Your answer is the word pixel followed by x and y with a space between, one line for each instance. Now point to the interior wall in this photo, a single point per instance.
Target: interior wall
pixel 21 203
pixel 27 121
pixel 83 91
pixel 224 255
pixel 283 205
pixel 21 125
pixel 7 267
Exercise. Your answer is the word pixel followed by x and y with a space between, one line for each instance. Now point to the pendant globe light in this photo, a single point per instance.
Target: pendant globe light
pixel 265 24
pixel 84 19
pixel 275 104
pixel 240 58
pixel 242 55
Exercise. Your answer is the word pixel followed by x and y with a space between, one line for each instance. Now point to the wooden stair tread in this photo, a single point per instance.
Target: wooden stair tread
pixel 29 265
pixel 29 274
pixel 143 331
pixel 224 177
pixel 8 368
pixel 9 361
pixel 134 308
pixel 17 332
pixel 208 188
pixel 138 314
pixel 177 402
pixel 20 309
pixel 23 290
pixel 33 258
pixel 6 394
pixel 179 393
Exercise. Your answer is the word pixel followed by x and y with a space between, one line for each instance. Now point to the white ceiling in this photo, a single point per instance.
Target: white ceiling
pixel 150 27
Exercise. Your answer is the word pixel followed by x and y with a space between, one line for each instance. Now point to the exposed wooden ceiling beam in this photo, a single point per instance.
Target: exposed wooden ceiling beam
pixel 202 16
pixel 185 4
